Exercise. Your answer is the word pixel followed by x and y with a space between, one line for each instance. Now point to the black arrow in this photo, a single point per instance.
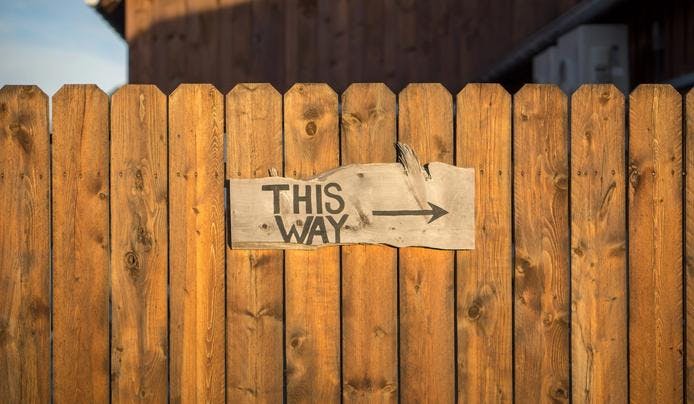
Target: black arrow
pixel 435 212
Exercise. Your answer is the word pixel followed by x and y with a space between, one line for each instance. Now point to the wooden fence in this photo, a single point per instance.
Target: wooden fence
pixel 116 281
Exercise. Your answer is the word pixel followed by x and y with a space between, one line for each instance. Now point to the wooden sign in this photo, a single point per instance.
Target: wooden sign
pixel 399 204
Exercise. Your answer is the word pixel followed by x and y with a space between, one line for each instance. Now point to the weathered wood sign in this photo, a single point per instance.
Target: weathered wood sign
pixel 399 204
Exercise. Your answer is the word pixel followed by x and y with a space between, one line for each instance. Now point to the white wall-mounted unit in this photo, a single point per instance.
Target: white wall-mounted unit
pixel 587 54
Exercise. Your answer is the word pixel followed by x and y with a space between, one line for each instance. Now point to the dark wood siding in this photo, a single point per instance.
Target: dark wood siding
pixel 337 42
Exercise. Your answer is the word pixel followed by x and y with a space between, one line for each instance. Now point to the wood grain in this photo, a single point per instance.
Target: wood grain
pixel 80 207
pixel 485 274
pixel 255 333
pixel 427 331
pixel 25 360
pixel 196 239
pixel 333 40
pixel 541 301
pixel 267 34
pixel 301 41
pixel 369 273
pixel 598 246
pixel 655 245
pixel 312 278
pixel 689 235
pixel 139 253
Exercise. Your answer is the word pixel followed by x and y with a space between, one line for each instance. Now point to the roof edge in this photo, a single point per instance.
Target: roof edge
pixel 113 11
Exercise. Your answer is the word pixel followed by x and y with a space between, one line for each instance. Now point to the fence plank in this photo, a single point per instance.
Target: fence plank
pixel 427 330
pixel 80 176
pixel 541 302
pixel 24 242
pixel 655 245
pixel 369 273
pixel 312 278
pixel 196 239
pixel 255 328
pixel 598 245
pixel 689 235
pixel 139 260
pixel 484 281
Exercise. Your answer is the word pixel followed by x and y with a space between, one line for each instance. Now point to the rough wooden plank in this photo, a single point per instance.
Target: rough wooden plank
pixel 598 246
pixel 140 37
pixel 484 281
pixel 689 235
pixel 197 244
pixel 255 333
pixel 541 301
pixel 239 50
pixel 369 273
pixel 374 36
pixel 268 40
pixel 312 278
pixel 405 28
pixel 200 24
pixel 81 289
pixel 655 245
pixel 398 204
pixel 24 255
pixel 356 11
pixel 391 45
pixel 427 311
pixel 139 239
pixel 301 41
pixel 333 42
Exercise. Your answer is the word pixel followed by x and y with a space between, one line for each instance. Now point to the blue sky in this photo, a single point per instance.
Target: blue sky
pixel 53 42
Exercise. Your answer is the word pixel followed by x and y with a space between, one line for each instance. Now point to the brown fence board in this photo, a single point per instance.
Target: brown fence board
pixel 147 304
pixel 139 253
pixel 541 301
pixel 255 306
pixel 655 245
pixel 369 272
pixel 312 278
pixel 427 310
pixel 24 245
pixel 598 245
pixel 80 217
pixel 197 244
pixel 485 274
pixel 689 235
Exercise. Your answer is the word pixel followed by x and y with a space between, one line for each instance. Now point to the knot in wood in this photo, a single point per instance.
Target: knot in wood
pixel 139 180
pixel 474 312
pixel 132 262
pixel 634 175
pixel 22 136
pixel 560 393
pixel 548 320
pixel 311 128
pixel 144 238
pixel 561 181
pixel 296 342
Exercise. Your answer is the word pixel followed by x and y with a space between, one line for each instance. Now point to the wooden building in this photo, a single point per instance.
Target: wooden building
pixel 391 41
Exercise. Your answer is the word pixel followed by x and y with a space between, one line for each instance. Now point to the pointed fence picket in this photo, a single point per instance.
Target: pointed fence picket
pixel 113 229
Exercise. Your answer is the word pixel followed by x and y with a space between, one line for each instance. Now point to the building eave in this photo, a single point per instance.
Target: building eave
pixel 113 11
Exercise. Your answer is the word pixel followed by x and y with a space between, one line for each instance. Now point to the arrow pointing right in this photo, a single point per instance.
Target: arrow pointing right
pixel 435 212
